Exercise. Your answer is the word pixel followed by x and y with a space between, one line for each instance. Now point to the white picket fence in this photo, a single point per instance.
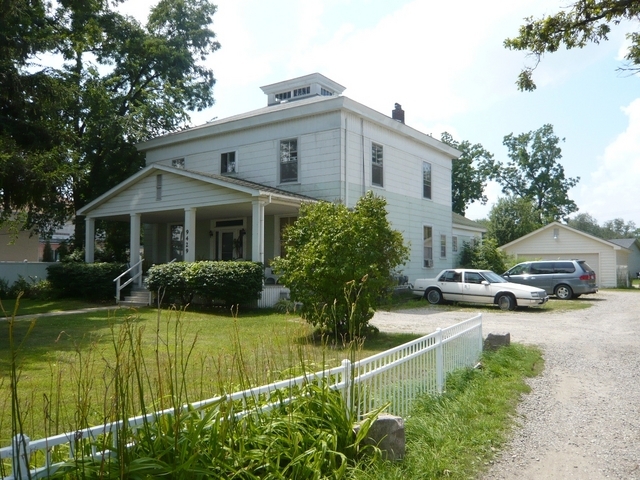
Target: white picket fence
pixel 394 377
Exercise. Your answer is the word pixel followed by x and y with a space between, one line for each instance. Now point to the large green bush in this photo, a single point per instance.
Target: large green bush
pixel 340 261
pixel 231 282
pixel 89 281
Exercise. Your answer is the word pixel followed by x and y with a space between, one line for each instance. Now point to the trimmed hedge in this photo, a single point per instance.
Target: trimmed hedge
pixel 232 282
pixel 89 281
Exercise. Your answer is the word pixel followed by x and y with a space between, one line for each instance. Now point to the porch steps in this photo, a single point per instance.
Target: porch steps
pixel 139 297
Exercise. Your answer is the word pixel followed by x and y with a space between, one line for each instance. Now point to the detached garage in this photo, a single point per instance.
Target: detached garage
pixel 560 242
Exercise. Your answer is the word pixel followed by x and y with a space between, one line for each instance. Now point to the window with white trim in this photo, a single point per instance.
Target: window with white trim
pixel 454 244
pixel 427 237
pixel 376 165
pixel 288 161
pixel 177 163
pixel 426 180
pixel 283 96
pixel 443 246
pixel 228 162
pixel 299 92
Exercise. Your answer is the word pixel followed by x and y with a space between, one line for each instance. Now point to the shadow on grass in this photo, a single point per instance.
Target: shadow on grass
pixel 58 334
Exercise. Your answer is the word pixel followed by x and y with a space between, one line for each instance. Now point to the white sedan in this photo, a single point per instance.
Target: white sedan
pixel 478 286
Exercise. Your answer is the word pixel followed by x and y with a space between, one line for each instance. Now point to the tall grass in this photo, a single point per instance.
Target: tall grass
pixel 310 437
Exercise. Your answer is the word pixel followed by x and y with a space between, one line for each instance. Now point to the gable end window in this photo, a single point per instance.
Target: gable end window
pixel 289 161
pixel 228 162
pixel 177 163
pixel 426 180
pixel 376 165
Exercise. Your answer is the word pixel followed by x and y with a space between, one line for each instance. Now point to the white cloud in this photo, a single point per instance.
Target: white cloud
pixel 612 190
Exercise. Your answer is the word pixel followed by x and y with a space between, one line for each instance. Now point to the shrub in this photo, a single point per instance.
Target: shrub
pixel 90 281
pixel 340 261
pixel 231 282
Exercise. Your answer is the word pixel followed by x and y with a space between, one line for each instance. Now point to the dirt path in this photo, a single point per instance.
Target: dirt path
pixel 582 418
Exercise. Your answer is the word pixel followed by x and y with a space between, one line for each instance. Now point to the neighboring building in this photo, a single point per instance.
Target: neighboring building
pixel 464 231
pixel 556 241
pixel 633 245
pixel 226 189
pixel 20 247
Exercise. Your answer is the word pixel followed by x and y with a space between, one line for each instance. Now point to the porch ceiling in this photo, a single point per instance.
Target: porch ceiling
pixel 218 212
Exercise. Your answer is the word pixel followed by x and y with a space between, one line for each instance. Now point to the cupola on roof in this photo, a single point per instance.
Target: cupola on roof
pixel 301 87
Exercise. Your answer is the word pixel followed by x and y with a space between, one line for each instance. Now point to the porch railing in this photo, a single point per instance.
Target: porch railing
pixel 395 377
pixel 136 276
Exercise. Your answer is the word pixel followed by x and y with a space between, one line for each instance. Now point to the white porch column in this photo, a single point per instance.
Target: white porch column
pixel 257 231
pixel 190 234
pixel 134 241
pixel 89 239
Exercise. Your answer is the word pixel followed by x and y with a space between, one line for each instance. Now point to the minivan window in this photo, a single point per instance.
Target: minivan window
pixel 519 269
pixel 564 267
pixel 540 268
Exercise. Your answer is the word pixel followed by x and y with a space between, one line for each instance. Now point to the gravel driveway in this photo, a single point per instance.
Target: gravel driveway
pixel 582 418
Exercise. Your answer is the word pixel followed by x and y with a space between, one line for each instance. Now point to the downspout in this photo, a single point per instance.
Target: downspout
pixel 346 164
pixel 363 157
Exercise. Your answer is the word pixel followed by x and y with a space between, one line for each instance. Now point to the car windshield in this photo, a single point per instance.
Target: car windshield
pixel 493 277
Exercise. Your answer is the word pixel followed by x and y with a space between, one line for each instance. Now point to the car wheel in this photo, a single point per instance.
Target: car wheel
pixel 564 292
pixel 506 302
pixel 433 296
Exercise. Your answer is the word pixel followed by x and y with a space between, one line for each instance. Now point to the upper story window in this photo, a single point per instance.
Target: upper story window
pixel 299 92
pixel 325 93
pixel 426 180
pixel 454 244
pixel 288 160
pixel 177 162
pixel 228 162
pixel 376 165
pixel 283 96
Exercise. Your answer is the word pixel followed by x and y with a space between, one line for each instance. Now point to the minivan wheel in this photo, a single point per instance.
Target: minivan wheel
pixel 506 302
pixel 564 292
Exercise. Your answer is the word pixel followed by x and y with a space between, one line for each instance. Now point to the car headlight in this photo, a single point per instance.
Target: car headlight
pixel 540 294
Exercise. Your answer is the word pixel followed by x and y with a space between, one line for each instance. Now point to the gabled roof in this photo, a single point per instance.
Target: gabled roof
pixel 461 220
pixel 566 227
pixel 625 242
pixel 251 188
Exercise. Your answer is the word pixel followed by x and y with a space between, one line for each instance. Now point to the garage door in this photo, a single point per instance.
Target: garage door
pixel 592 259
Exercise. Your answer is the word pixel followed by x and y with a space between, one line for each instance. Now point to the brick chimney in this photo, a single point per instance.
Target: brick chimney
pixel 398 113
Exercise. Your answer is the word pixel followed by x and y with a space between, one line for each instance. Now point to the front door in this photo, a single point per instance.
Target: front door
pixel 226 246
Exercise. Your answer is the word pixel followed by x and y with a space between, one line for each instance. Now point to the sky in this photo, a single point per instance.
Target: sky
pixel 445 63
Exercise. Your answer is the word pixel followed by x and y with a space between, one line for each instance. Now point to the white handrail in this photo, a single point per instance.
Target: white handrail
pixel 137 276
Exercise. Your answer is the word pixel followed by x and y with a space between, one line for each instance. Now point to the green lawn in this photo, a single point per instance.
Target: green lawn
pixel 29 307
pixel 67 362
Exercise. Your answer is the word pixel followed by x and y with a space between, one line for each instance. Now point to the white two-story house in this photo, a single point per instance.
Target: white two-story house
pixel 226 189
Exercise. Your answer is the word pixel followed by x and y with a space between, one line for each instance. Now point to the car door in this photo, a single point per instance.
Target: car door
pixel 450 283
pixel 474 290
pixel 541 276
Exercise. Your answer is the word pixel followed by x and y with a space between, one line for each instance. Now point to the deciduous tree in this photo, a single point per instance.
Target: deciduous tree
pixel 120 83
pixel 534 173
pixel 581 23
pixel 469 173
pixel 511 218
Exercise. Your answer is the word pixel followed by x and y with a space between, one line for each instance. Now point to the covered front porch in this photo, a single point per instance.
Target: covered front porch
pixel 174 214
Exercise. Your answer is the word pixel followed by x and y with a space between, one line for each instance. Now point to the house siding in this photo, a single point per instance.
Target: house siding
pixel 177 193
